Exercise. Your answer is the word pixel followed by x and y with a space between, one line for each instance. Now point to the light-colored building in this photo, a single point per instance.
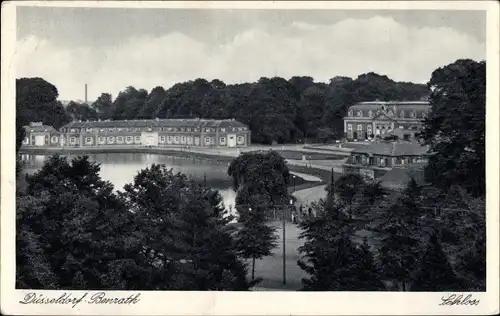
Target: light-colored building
pixel 39 135
pixel 157 133
pixel 368 120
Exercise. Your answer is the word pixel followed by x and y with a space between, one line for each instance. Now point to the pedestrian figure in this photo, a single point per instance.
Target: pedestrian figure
pixel 293 218
pixel 309 212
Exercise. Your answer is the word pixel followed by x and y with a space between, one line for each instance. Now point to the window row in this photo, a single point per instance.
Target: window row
pixel 402 114
pixel 149 129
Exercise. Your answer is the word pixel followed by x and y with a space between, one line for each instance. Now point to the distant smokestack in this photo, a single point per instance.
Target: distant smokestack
pixel 85 93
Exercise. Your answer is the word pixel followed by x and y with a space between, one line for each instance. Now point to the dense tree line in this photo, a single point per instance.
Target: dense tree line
pixel 275 109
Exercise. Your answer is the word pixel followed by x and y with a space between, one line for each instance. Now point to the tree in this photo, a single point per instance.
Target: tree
pixel 152 104
pixel 434 273
pixel 254 239
pixel 183 230
pixel 264 174
pixel 346 188
pixel 129 103
pixel 401 234
pixel 81 112
pixel 36 101
pixel 104 106
pixel 455 126
pixel 73 231
pixel 330 257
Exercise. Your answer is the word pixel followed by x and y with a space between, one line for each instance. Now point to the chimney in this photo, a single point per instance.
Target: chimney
pixel 85 93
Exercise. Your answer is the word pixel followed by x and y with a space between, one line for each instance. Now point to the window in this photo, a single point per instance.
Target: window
pixel 177 139
pixel 137 129
pixel 101 140
pixel 189 129
pixel 360 128
pixel 183 139
pixel 72 130
pixel 162 139
pixel 119 129
pixel 240 140
pixel 223 129
pixel 183 129
pixel 222 140
pixel 207 140
pixel 412 114
pixel 119 139
pixel 402 114
pixel 349 127
pixel 102 130
pixel 401 127
pixel 54 139
pixel 137 139
pixel 370 113
pixel 149 129
pixel 390 113
pixel 72 140
pixel 62 130
pixel 127 129
pixel 88 140
pixel 369 130
pixel 129 139
pixel 89 130
pixel 111 129
pixel 207 130
pixel 190 140
pixel 169 129
pixel 359 113
pixel 350 113
pixel 111 139
pixel 170 139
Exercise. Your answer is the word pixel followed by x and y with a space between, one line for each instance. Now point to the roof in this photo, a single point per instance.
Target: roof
pixel 398 177
pixel 157 123
pixel 397 148
pixel 38 127
pixel 372 105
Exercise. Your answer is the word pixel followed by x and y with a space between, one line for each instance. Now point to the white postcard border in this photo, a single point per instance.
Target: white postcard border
pixel 252 303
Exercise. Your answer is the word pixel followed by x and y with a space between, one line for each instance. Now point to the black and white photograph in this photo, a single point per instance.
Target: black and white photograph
pixel 223 148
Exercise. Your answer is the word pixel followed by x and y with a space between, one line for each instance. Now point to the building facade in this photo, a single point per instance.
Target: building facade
pixel 377 158
pixel 39 135
pixel 368 120
pixel 150 133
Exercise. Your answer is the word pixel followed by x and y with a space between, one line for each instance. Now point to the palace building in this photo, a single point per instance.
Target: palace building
pixel 150 133
pixel 367 120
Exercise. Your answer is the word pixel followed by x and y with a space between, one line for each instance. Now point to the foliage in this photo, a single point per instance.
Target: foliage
pixel 401 235
pixel 36 101
pixel 72 230
pixel 183 230
pixel 164 232
pixel 263 174
pixel 81 112
pixel 260 180
pixel 331 258
pixel 455 126
pixel 104 106
pixel 434 272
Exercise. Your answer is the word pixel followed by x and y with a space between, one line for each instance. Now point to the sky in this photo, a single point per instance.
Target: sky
pixel 113 48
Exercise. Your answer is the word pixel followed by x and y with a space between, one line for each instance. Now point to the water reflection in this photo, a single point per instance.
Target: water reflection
pixel 120 169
